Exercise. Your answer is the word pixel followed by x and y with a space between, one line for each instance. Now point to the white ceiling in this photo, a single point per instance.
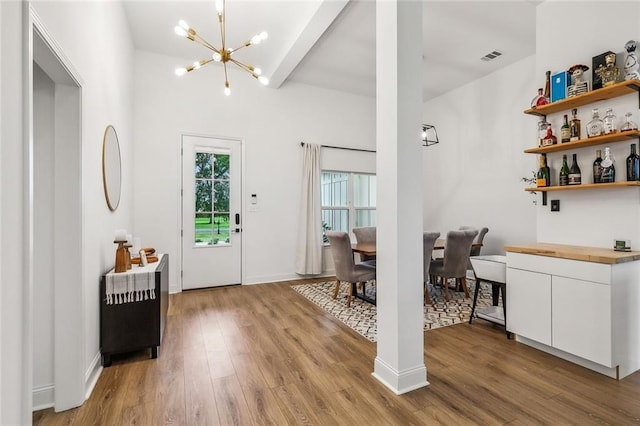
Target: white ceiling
pixel 331 43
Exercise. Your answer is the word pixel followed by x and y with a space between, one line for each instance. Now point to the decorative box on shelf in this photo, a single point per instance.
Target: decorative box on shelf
pixel 559 84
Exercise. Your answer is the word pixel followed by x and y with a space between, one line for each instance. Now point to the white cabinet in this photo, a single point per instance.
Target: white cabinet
pixel 586 312
pixel 581 319
pixel 529 304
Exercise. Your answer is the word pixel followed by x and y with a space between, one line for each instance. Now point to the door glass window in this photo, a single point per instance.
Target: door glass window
pixel 212 187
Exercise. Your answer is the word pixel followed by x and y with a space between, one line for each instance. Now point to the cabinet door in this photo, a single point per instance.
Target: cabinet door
pixel 529 304
pixel 581 312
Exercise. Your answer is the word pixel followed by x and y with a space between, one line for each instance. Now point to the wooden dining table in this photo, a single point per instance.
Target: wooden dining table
pixel 370 248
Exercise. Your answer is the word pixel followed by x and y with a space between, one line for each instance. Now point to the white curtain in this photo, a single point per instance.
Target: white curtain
pixel 309 259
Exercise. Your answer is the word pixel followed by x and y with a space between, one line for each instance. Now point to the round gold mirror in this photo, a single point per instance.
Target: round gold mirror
pixel 111 167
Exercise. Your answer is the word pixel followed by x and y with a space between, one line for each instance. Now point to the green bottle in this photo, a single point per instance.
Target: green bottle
pixel 564 172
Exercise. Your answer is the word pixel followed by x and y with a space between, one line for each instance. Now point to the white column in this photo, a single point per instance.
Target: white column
pixel 399 364
pixel 15 386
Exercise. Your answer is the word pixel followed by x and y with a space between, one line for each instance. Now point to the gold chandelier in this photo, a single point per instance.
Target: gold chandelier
pixel 222 54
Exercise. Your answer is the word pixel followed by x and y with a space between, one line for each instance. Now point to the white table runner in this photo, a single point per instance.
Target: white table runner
pixel 137 284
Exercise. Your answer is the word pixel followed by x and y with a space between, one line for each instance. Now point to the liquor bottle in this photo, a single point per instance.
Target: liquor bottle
pixel 564 172
pixel 633 165
pixel 628 124
pixel 547 86
pixel 543 178
pixel 574 126
pixel 539 99
pixel 609 122
pixel 597 167
pixel 543 125
pixel 575 176
pixel 565 130
pixel 549 139
pixel 595 127
pixel 608 167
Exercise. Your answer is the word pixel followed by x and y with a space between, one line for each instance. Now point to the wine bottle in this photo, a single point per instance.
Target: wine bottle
pixel 564 172
pixel 575 176
pixel 574 126
pixel 565 130
pixel 633 165
pixel 542 178
pixel 597 167
pixel 608 167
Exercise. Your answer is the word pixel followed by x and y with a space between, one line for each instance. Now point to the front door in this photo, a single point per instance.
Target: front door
pixel 211 205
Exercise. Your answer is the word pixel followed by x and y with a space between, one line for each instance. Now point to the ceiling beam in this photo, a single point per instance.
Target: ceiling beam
pixel 327 12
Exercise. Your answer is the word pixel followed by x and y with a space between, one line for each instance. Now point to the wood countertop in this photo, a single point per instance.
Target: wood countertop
pixel 587 254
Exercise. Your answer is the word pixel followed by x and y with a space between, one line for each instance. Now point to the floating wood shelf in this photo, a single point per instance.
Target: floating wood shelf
pixel 583 186
pixel 599 140
pixel 615 90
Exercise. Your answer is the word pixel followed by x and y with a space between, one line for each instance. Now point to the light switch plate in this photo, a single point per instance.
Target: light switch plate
pixel 555 205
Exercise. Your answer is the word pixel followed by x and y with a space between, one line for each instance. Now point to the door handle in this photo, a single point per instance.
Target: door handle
pixel 237 218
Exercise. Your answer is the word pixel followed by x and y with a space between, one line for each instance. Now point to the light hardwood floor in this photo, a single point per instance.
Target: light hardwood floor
pixel 263 354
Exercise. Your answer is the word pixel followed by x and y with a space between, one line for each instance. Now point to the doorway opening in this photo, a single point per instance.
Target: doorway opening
pixel 55 228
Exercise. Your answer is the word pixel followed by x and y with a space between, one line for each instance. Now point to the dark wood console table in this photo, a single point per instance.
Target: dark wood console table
pixel 134 325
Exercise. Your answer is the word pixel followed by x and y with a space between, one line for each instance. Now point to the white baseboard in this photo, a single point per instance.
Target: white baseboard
pixel 43 397
pixel 265 279
pixel 92 374
pixel 607 371
pixel 400 382
pixel 279 278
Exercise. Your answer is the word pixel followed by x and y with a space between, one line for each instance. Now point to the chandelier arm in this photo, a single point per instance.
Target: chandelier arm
pixel 246 67
pixel 205 43
pixel 205 62
pixel 226 78
pixel 201 63
pixel 221 20
pixel 245 44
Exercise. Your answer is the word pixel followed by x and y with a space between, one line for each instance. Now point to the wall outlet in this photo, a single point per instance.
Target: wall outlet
pixel 555 205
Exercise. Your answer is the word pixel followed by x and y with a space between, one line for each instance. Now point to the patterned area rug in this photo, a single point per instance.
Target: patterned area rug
pixel 361 316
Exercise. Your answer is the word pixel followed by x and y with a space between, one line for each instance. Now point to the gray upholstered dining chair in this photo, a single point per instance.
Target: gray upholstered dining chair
pixel 475 250
pixel 456 257
pixel 428 241
pixel 366 234
pixel 346 268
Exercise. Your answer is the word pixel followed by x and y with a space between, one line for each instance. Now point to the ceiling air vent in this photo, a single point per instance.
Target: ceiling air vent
pixel 491 55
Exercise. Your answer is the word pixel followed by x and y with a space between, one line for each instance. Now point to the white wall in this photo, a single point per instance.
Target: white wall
pixel 473 176
pixel 43 141
pixel 271 122
pixel 588 217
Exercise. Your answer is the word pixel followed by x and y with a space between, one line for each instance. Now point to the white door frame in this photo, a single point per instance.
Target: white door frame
pixel 69 214
pixel 242 204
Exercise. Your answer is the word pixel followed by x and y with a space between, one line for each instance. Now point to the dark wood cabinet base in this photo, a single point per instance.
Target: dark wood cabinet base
pixel 133 326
